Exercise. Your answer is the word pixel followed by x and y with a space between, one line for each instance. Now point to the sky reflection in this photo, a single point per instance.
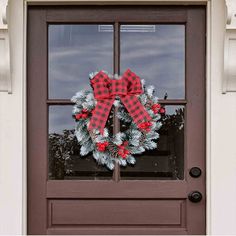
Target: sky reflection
pixel 158 57
pixel 74 52
pixel 77 50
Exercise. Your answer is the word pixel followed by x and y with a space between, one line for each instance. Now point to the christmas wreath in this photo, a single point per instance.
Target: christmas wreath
pixel 137 109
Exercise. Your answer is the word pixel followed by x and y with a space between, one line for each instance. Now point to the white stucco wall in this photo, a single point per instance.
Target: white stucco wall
pixel 221 130
pixel 223 139
pixel 11 132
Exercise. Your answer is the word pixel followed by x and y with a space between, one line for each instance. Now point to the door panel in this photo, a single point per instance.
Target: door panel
pixel 126 212
pixel 139 200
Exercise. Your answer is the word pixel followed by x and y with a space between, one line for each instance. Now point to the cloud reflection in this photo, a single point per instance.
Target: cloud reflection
pixel 157 57
pixel 74 52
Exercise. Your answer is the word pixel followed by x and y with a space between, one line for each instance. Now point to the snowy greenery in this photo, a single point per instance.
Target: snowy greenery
pixel 134 140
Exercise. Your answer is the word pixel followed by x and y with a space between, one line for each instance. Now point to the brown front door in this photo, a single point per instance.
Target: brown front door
pixel 161 194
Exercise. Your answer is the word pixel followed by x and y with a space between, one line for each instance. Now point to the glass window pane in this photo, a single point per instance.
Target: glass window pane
pixel 167 161
pixel 65 161
pixel 74 51
pixel 157 54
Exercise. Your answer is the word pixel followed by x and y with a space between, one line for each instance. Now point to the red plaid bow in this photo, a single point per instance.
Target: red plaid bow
pixel 105 91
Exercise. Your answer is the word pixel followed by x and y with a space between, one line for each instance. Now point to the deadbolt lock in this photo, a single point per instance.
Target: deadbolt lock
pixel 195 172
pixel 195 196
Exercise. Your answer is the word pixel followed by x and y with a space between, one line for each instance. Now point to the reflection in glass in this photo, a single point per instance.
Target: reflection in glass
pixel 167 161
pixel 65 161
pixel 74 51
pixel 156 54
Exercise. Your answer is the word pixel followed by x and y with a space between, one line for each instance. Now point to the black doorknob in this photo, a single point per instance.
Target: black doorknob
pixel 195 196
pixel 195 172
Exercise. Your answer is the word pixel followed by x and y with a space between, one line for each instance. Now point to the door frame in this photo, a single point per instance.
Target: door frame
pixel 208 90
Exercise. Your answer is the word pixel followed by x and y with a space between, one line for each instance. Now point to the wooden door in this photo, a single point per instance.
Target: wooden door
pixel 161 194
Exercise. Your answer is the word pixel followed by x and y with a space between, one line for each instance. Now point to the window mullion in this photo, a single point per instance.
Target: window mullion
pixel 116 127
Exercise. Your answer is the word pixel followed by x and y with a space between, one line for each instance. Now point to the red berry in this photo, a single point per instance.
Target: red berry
pixel 125 143
pixel 145 126
pixel 84 115
pixel 102 146
pixel 155 111
pixel 141 126
pixel 106 144
pixel 123 152
pixel 78 116
pixel 156 107
pixel 126 152
pixel 162 110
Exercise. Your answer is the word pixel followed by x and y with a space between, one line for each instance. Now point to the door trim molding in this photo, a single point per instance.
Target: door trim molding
pixel 116 2
pixel 208 4
pixel 208 117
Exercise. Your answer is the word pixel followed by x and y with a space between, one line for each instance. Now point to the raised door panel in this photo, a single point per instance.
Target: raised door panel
pixel 117 212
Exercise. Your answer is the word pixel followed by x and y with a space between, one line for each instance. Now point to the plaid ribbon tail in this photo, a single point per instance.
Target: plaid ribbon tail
pixel 100 114
pixel 136 109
